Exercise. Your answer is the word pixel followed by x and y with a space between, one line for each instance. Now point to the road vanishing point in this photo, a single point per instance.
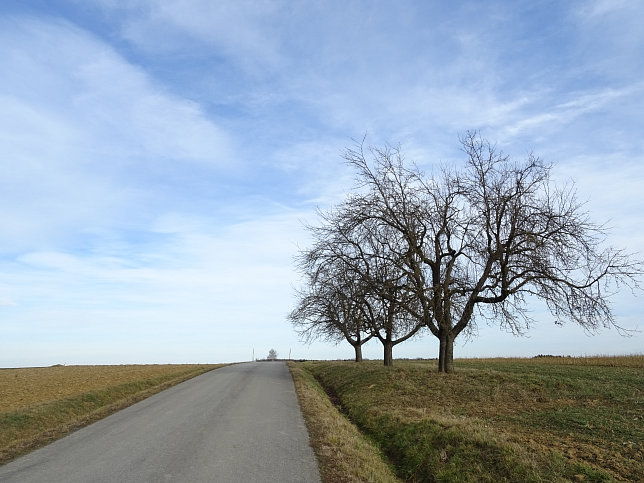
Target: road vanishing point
pixel 239 423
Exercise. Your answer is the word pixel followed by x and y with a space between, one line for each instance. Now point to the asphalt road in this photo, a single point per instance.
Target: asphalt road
pixel 240 423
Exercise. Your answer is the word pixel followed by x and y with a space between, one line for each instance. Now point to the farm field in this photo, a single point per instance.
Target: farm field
pixel 541 419
pixel 39 405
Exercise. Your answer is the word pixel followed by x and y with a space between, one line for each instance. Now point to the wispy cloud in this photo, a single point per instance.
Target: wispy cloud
pixel 158 158
pixel 83 135
pixel 214 283
pixel 568 111
pixel 242 30
pixel 599 8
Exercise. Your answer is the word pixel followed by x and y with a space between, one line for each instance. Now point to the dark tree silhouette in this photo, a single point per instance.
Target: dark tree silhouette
pixel 477 242
pixel 329 306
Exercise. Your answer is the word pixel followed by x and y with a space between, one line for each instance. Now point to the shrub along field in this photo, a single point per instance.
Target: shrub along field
pixel 542 419
pixel 39 405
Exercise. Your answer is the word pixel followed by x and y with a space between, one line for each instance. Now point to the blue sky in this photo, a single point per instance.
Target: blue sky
pixel 159 157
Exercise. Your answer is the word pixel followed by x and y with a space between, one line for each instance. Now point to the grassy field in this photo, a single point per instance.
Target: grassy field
pixel 344 454
pixel 542 419
pixel 39 405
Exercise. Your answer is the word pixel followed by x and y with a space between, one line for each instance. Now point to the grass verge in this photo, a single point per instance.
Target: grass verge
pixel 498 420
pixel 36 417
pixel 344 454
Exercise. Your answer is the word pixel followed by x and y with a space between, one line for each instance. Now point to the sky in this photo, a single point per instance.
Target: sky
pixel 159 158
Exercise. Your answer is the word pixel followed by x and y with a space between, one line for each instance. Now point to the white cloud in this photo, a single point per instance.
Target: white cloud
pixel 600 8
pixel 240 29
pixel 6 301
pixel 91 100
pixel 566 112
pixel 145 119
pixel 218 292
pixel 154 152
pixel 81 136
pixel 611 187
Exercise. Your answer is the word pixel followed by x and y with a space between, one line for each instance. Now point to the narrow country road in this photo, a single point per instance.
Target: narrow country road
pixel 240 423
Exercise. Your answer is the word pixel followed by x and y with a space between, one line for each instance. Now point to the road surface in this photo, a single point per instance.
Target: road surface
pixel 240 423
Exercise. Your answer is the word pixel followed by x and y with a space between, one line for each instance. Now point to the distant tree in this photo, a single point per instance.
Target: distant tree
pixel 477 242
pixel 272 355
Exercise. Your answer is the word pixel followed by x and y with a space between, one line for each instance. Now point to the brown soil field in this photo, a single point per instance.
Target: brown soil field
pixel 22 388
pixel 41 404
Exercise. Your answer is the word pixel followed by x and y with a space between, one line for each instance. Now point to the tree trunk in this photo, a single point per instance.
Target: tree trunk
pixel 446 352
pixel 388 353
pixel 358 349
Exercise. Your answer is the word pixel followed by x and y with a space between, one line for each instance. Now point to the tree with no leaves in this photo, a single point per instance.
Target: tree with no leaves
pixel 329 305
pixel 368 249
pixel 272 355
pixel 479 241
pixel 354 284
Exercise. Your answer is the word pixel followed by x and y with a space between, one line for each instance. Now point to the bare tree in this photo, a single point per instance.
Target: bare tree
pixel 479 241
pixel 328 306
pixel 362 250
pixel 371 249
pixel 272 355
pixel 389 319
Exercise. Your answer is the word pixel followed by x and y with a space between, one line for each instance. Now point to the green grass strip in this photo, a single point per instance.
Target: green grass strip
pixel 435 427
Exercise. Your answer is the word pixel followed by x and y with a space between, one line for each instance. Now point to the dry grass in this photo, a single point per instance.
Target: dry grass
pixel 22 388
pixel 344 454
pixel 39 405
pixel 634 361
